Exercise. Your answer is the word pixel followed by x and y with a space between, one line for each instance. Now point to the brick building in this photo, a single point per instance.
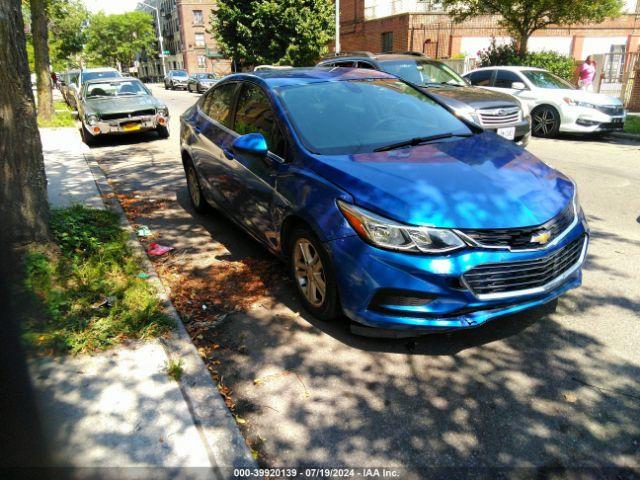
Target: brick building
pixel 422 25
pixel 184 30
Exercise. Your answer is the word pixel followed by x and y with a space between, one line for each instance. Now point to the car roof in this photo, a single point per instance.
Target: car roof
pixel 308 75
pixel 99 69
pixel 111 80
pixel 507 67
pixel 380 57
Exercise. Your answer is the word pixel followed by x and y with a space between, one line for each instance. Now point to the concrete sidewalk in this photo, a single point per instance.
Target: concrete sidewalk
pixel 119 408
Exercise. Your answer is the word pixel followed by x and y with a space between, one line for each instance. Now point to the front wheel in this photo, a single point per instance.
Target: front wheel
pixel 546 122
pixel 163 131
pixel 312 271
pixel 196 196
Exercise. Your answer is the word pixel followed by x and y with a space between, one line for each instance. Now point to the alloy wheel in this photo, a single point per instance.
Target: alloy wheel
pixel 544 122
pixel 309 272
pixel 192 185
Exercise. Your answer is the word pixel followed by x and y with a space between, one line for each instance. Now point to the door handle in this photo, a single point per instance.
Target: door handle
pixel 228 153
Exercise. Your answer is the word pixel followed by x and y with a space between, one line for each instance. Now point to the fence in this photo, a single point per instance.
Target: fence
pixel 616 74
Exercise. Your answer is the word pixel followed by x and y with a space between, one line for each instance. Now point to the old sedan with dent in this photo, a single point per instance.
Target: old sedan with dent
pixel 120 106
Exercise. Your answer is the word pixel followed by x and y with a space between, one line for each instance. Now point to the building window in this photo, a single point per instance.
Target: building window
pixel 387 41
pixel 202 61
pixel 198 18
pixel 199 39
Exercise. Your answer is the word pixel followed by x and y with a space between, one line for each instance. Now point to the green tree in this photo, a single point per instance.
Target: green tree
pixel 284 32
pixel 69 20
pixel 113 39
pixel 523 17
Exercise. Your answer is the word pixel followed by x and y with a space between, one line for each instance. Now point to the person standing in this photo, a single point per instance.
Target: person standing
pixel 586 74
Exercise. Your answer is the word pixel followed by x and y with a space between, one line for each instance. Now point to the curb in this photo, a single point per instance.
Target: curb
pixel 626 136
pixel 225 444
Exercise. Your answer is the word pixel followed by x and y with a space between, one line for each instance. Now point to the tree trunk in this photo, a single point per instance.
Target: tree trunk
pixel 39 31
pixel 523 41
pixel 23 186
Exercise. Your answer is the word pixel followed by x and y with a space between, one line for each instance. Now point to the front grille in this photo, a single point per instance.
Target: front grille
pixel 118 116
pixel 522 238
pixel 606 127
pixel 499 116
pixel 613 110
pixel 504 278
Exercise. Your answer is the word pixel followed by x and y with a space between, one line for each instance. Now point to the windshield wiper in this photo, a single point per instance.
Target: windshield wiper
pixel 419 140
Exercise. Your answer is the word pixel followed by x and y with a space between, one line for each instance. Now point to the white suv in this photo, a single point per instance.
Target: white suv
pixel 555 104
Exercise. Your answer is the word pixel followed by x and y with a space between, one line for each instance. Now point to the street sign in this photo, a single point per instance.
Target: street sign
pixel 166 52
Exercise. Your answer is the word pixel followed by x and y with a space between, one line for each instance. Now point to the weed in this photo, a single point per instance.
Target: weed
pixel 174 369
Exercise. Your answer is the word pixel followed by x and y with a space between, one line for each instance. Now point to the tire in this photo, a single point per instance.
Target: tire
pixel 545 121
pixel 87 138
pixel 196 196
pixel 304 254
pixel 166 87
pixel 163 131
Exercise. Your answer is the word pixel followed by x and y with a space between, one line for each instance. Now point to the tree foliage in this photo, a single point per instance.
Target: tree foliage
pixel 69 20
pixel 284 32
pixel 119 38
pixel 562 65
pixel 523 17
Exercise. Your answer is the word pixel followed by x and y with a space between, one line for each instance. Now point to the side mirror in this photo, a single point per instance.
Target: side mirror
pixel 251 144
pixel 518 86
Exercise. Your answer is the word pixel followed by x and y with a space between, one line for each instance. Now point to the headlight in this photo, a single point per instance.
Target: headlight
pixel 92 119
pixel 164 111
pixel 578 103
pixel 385 233
pixel 469 115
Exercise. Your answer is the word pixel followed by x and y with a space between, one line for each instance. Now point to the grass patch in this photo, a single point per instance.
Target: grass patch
pixel 632 124
pixel 86 288
pixel 62 117
pixel 174 369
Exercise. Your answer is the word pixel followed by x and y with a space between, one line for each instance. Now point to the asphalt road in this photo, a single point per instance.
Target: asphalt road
pixel 539 389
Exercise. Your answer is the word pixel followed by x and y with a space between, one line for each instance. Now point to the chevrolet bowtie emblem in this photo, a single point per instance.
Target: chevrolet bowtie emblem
pixel 541 238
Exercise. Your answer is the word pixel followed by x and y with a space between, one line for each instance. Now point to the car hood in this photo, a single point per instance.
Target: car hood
pixel 478 98
pixel 477 182
pixel 590 97
pixel 107 105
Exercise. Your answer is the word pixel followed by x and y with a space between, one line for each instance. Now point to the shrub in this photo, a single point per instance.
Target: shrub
pixel 501 55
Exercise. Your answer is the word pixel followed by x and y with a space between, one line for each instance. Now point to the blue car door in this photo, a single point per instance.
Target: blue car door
pixel 212 127
pixel 256 200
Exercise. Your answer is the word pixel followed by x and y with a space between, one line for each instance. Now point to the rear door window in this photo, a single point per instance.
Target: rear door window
pixel 254 114
pixel 481 78
pixel 218 103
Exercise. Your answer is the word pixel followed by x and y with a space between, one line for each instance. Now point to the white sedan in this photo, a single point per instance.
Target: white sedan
pixel 555 104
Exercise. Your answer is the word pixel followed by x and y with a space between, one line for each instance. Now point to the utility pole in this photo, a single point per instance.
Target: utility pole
pixel 337 26
pixel 164 69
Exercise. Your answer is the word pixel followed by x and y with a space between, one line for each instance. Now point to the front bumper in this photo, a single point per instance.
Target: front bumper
pixel 363 272
pixel 128 125
pixel 588 120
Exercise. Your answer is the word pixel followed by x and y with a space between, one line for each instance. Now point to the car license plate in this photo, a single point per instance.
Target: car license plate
pixel 131 127
pixel 509 132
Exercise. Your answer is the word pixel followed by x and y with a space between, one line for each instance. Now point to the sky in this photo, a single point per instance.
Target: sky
pixel 111 6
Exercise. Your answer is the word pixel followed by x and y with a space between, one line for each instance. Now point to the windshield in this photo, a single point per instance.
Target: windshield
pixel 179 73
pixel 204 76
pixel 86 76
pixel 115 89
pixel 423 72
pixel 542 79
pixel 361 115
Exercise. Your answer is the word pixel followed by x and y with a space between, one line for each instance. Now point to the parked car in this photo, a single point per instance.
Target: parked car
pixel 555 104
pixel 387 206
pixel 201 82
pixel 67 78
pixel 120 106
pixel 497 112
pixel 77 78
pixel 176 79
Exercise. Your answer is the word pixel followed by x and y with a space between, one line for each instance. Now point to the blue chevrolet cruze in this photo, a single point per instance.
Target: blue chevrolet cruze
pixel 387 207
